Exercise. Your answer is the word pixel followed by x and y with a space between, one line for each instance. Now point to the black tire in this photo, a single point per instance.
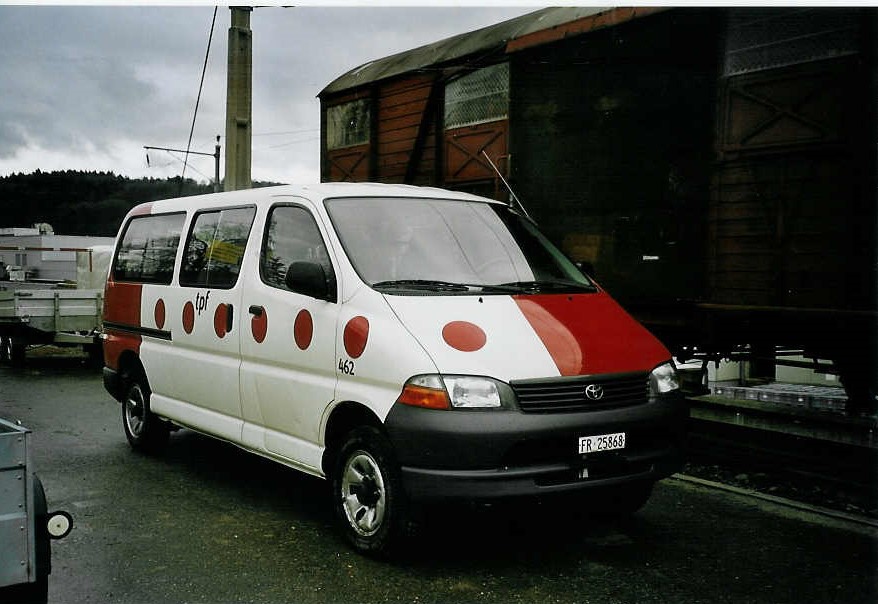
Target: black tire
pixel 369 500
pixel 95 352
pixel 17 352
pixel 5 349
pixel 145 432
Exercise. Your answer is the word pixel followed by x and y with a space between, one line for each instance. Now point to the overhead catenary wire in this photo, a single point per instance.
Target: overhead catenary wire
pixel 168 151
pixel 198 98
pixel 304 140
pixel 287 132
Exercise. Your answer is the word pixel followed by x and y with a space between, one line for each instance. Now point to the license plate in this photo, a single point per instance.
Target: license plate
pixel 604 442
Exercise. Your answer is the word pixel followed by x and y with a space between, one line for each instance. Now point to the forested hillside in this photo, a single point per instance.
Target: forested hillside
pixel 83 203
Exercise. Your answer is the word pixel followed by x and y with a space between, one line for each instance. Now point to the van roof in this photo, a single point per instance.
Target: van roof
pixel 316 192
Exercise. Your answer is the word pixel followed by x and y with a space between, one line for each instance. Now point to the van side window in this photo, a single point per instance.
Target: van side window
pixel 148 249
pixel 215 248
pixel 291 235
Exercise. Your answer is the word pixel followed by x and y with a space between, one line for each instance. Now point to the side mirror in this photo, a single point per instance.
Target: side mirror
pixel 310 279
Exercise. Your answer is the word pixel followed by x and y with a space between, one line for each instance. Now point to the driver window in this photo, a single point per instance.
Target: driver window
pixel 291 235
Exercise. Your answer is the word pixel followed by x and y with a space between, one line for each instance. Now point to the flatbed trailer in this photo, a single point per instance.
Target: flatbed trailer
pixel 34 314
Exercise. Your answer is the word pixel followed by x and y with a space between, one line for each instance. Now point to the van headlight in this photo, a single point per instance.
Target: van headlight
pixel 472 392
pixel 435 391
pixel 663 380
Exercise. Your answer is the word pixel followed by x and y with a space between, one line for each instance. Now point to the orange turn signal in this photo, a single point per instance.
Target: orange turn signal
pixel 421 396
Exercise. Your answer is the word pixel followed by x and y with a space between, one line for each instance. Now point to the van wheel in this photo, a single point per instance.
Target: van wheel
pixel 367 493
pixel 145 432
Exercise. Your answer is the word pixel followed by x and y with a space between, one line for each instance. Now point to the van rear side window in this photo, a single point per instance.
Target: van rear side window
pixel 148 249
pixel 215 248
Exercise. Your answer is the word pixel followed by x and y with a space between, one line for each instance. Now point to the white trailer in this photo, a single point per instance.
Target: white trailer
pixel 63 314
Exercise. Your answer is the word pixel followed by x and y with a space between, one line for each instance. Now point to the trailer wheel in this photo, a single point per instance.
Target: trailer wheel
pixel 5 349
pixel 145 431
pixel 95 352
pixel 367 493
pixel 17 351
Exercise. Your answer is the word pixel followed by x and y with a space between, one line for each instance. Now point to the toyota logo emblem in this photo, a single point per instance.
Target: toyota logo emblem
pixel 594 392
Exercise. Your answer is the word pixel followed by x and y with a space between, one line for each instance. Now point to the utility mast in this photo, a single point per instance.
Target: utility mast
pixel 239 128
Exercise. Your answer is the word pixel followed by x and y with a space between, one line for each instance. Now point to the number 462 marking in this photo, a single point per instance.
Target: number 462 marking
pixel 346 366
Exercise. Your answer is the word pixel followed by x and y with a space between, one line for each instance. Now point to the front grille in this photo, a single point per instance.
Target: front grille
pixel 566 395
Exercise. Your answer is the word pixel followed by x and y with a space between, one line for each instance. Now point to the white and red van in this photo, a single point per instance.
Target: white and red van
pixel 412 345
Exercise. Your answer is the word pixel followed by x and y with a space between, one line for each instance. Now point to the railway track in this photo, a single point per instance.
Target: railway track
pixel 819 458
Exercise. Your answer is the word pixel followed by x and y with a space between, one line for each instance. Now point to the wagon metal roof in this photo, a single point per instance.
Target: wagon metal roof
pixel 531 29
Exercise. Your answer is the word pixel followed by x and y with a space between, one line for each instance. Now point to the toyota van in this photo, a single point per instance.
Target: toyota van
pixel 411 345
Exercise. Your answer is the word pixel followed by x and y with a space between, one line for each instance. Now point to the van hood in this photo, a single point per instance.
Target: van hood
pixel 529 336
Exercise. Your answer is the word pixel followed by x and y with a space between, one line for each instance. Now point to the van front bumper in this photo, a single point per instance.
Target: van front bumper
pixel 498 454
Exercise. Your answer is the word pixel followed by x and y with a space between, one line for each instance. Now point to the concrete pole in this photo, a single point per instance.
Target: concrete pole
pixel 239 128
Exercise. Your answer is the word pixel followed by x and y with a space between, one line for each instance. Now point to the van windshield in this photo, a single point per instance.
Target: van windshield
pixel 413 245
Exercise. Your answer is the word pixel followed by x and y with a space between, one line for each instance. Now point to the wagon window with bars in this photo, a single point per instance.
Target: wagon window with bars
pixel 347 125
pixel 478 97
pixel 761 38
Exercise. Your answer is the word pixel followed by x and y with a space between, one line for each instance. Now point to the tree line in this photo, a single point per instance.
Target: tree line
pixel 84 203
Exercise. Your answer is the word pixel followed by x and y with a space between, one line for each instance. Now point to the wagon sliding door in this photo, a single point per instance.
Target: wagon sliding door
pixel 790 212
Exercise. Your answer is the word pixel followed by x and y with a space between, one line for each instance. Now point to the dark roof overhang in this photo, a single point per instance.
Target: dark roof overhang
pixel 476 46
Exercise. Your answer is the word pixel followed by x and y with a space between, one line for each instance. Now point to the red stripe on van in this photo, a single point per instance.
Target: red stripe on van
pixel 589 334
pixel 121 306
pixel 122 303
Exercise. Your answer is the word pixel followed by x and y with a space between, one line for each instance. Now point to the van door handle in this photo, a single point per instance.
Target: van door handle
pixel 256 310
pixel 230 313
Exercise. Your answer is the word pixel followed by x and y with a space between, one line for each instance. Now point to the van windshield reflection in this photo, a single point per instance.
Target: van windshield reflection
pixel 449 247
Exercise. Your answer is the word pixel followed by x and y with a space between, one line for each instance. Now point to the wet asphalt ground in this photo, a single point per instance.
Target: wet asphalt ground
pixel 206 522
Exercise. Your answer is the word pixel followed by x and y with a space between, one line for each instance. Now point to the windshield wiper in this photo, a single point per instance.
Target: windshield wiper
pixel 553 285
pixel 513 287
pixel 449 286
pixel 422 284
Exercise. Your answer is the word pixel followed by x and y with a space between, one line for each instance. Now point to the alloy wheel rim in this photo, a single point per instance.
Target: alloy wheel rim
pixel 363 494
pixel 134 412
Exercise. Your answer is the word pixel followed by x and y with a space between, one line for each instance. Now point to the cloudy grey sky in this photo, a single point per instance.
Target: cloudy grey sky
pixel 87 87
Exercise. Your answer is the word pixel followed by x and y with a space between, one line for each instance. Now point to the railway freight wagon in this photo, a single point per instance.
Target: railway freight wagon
pixel 713 168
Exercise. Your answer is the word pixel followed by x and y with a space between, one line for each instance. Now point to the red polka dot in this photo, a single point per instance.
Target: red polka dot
pixel 259 326
pixel 356 334
pixel 464 336
pixel 188 317
pixel 303 329
pixel 160 313
pixel 220 320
